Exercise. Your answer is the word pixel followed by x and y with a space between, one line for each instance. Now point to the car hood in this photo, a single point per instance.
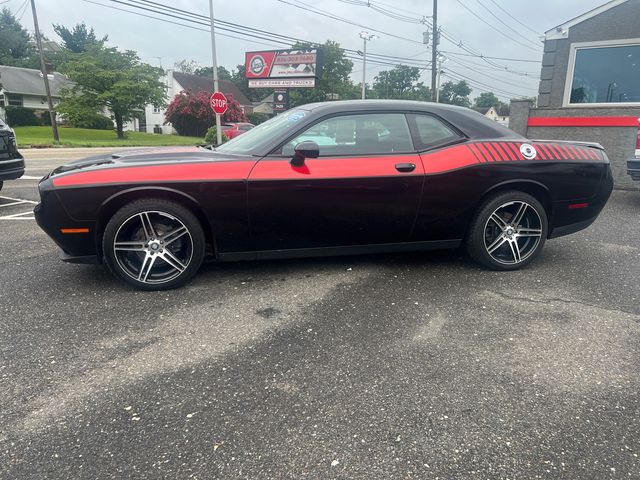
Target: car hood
pixel 147 156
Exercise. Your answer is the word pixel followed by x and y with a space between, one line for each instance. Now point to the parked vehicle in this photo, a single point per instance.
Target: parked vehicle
pixel 388 176
pixel 232 130
pixel 633 164
pixel 11 162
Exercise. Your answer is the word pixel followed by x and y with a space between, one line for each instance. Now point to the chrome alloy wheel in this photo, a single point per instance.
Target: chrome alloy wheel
pixel 153 247
pixel 513 232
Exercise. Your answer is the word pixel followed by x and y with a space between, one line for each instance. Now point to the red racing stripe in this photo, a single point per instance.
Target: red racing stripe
pixel 205 171
pixel 325 168
pixel 485 151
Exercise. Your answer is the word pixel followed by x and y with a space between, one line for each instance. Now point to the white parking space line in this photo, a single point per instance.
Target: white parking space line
pixel 29 177
pixel 28 215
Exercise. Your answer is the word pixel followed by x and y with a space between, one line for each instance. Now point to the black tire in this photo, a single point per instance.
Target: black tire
pixel 153 244
pixel 496 243
pixel 1 184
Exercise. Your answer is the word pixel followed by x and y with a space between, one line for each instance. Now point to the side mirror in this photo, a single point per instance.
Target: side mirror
pixel 306 149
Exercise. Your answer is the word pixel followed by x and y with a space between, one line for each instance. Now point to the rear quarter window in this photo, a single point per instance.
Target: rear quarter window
pixel 431 132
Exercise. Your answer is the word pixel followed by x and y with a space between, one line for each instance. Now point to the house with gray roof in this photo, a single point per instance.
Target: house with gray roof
pixel 24 87
pixel 177 82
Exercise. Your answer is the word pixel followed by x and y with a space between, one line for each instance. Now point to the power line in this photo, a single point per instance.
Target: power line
pixel 514 18
pixel 487 75
pixel 493 27
pixel 506 59
pixel 324 13
pixel 506 24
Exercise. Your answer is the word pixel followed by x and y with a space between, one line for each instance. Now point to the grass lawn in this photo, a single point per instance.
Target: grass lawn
pixel 84 137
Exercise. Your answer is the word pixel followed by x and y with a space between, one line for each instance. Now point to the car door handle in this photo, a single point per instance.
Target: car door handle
pixel 405 167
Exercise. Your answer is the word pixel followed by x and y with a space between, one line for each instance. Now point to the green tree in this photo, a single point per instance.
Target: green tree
pixel 78 39
pixel 223 73
pixel 106 78
pixel 401 82
pixel 334 82
pixel 456 93
pixel 486 100
pixel 16 48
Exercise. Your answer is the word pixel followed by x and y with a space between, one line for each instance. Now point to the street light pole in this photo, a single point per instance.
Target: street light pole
pixel 441 60
pixel 365 36
pixel 215 71
pixel 43 68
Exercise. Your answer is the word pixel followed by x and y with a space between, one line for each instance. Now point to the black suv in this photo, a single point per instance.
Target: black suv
pixel 11 162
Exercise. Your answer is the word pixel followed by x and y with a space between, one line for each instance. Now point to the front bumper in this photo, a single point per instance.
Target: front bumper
pixel 52 217
pixel 11 169
pixel 633 168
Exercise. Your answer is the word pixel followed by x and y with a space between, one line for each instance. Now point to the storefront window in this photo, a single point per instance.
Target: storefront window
pixel 608 74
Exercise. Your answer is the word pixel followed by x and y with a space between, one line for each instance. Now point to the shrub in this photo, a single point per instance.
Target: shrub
pixel 257 118
pixel 94 121
pixel 190 113
pixel 22 117
pixel 211 139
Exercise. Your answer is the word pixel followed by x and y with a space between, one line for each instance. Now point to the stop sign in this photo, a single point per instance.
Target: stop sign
pixel 218 103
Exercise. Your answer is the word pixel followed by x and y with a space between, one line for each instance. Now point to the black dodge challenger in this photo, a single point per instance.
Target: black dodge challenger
pixel 326 179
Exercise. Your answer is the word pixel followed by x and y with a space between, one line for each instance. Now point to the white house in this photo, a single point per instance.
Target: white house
pixel 498 114
pixel 177 82
pixel 24 87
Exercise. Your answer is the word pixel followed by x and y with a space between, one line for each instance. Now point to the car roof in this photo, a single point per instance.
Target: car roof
pixel 470 122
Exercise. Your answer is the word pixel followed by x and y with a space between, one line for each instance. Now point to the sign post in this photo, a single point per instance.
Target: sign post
pixel 215 72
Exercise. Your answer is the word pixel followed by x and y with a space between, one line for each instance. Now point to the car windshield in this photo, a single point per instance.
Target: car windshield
pixel 264 133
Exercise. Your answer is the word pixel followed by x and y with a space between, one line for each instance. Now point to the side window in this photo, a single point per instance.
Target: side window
pixel 364 134
pixel 432 132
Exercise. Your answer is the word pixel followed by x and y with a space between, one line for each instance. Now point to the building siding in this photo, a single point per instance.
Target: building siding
pixel 619 23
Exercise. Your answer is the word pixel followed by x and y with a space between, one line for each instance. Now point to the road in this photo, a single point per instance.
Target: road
pixel 413 366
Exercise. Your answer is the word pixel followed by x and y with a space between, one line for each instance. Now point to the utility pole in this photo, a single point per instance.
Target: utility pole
pixel 215 71
pixel 43 68
pixel 434 51
pixel 366 37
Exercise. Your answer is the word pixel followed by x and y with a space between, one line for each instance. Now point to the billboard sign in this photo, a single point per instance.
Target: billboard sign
pixel 283 65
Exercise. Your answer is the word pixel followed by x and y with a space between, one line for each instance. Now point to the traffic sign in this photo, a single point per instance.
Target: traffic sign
pixel 218 103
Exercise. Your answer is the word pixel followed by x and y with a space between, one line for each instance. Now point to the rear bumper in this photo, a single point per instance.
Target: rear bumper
pixel 575 215
pixel 633 168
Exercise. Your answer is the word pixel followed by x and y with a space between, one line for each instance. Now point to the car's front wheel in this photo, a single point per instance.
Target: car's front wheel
pixel 508 231
pixel 153 244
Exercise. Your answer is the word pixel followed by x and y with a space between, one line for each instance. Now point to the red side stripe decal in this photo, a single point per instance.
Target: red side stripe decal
pixel 514 151
pixel 541 153
pixel 324 168
pixel 505 151
pixel 476 153
pixel 159 173
pixel 485 152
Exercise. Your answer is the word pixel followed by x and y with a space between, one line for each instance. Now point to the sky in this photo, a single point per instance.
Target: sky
pixel 510 32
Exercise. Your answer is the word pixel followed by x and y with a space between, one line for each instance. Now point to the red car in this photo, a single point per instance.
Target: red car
pixel 232 130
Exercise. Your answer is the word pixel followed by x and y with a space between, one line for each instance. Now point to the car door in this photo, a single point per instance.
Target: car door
pixel 363 189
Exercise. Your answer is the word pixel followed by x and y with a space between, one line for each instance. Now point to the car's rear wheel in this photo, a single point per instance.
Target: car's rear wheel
pixel 154 244
pixel 508 231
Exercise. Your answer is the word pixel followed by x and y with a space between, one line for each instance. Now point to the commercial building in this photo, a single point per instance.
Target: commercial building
pixel 590 84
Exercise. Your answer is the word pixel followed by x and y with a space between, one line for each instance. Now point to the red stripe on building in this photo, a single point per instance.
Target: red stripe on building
pixel 584 122
pixel 189 172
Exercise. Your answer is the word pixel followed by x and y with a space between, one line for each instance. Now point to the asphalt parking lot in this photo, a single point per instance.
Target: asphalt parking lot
pixel 413 366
